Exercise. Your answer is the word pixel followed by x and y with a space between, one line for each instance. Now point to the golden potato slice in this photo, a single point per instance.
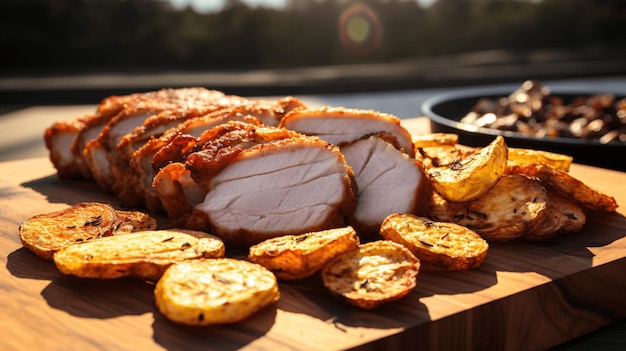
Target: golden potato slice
pixel 214 291
pixel 473 176
pixel 525 156
pixel 372 274
pixel 435 139
pixel 566 185
pixel 443 245
pixel 144 255
pixel 133 221
pixel 299 256
pixel 47 233
pixel 516 205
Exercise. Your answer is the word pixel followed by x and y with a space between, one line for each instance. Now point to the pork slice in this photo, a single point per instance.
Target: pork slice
pixel 135 112
pixel 125 183
pixel 66 140
pixel 141 161
pixel 92 127
pixel 338 125
pixel 91 148
pixel 177 192
pixel 58 139
pixel 388 182
pixel 202 158
pixel 291 186
pixel 98 151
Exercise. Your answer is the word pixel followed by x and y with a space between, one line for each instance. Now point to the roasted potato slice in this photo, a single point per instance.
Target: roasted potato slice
pixel 133 221
pixel 468 179
pixel 442 245
pixel 372 274
pixel 525 156
pixel 434 139
pixel 565 217
pixel 440 156
pixel 550 227
pixel 566 185
pixel 144 255
pixel 299 256
pixel 214 291
pixel 45 234
pixel 516 205
pixel 576 217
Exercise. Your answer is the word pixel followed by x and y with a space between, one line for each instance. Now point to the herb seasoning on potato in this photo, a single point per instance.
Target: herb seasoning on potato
pixel 214 291
pixel 469 178
pixel 144 255
pixel 446 246
pixel 299 256
pixel 375 273
pixel 46 233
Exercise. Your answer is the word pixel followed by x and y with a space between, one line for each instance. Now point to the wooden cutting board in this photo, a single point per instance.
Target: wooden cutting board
pixel 525 296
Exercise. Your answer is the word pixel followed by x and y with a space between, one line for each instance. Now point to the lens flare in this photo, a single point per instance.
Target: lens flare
pixel 360 31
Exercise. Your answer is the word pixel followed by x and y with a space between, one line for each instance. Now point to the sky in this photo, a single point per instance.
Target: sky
pixel 216 5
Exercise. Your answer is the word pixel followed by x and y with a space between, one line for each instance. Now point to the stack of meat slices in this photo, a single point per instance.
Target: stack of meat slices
pixel 245 170
pixel 380 152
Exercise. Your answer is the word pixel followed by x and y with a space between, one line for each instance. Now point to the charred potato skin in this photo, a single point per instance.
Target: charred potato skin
pixel 46 233
pixel 293 257
pixel 441 245
pixel 469 178
pixel 145 255
pixel 214 291
pixel 371 275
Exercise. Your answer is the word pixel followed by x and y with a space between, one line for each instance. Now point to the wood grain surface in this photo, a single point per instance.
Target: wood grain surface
pixel 526 296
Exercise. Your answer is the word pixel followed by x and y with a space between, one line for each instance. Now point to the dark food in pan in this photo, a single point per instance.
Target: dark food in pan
pixel 532 110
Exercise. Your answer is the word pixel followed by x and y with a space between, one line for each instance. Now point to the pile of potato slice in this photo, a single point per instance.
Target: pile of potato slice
pixel 504 193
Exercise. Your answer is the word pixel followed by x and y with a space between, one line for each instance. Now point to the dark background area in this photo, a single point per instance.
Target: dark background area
pixel 74 51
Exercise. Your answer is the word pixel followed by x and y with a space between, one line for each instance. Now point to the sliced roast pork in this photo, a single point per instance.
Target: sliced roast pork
pixel 246 183
pixel 388 182
pixel 100 151
pixel 141 163
pixel 124 183
pixel 255 112
pixel 338 125
pixel 58 139
pixel 382 155
pixel 66 140
pixel 91 128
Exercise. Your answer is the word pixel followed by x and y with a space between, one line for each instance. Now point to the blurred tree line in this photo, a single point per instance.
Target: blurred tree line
pixel 151 34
